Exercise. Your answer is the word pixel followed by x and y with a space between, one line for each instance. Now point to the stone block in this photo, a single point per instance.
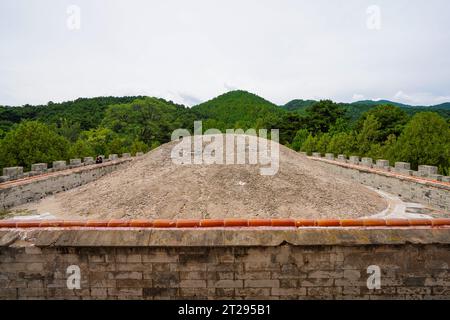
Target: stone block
pixel 4 178
pixel 437 177
pixel 88 160
pixel 354 159
pixel 446 179
pixel 303 153
pixel 428 170
pixel 139 154
pixel 113 156
pixel 382 164
pixel 75 162
pixel 329 156
pixel 317 154
pixel 367 162
pixel 39 167
pixel 126 155
pixel 342 158
pixel 402 166
pixel 59 165
pixel 13 172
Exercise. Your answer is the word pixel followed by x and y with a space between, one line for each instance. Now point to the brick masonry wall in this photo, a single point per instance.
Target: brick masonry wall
pixel 434 194
pixel 258 272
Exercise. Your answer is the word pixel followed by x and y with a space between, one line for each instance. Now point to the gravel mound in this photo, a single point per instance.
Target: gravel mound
pixel 154 187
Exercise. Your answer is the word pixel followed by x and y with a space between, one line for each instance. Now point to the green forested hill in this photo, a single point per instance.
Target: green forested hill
pixel 237 109
pixel 86 112
pixel 356 109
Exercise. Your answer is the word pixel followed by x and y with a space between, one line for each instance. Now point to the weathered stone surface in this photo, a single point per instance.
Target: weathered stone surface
pixel 113 156
pixel 342 158
pixel 428 170
pixel 431 193
pixel 283 271
pixel 329 156
pixel 53 182
pixel 437 177
pixel 354 159
pixel 139 154
pixel 59 165
pixel 368 162
pixel 13 172
pixel 75 162
pixel 88 160
pixel 382 164
pixel 402 166
pixel 39 167
pixel 135 237
pixel 126 155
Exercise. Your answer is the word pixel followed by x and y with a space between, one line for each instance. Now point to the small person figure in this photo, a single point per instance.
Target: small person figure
pixel 98 159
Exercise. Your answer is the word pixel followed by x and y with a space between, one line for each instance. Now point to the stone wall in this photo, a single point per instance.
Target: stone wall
pixel 407 185
pixel 286 263
pixel 13 193
pixel 15 173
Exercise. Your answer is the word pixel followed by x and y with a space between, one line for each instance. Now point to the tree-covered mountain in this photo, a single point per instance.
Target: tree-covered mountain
pixel 86 112
pixel 237 109
pixel 298 105
pixel 356 109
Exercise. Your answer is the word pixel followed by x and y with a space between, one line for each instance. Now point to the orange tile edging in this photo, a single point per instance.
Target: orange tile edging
pixel 225 223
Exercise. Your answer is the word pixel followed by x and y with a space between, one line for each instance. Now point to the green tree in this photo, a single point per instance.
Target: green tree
pixel 81 148
pixel 368 135
pixel 98 139
pixel 138 146
pixel 299 139
pixel 32 142
pixel 341 125
pixel 342 143
pixel 424 141
pixel 322 143
pixel 117 145
pixel 310 145
pixel 391 119
pixel 322 115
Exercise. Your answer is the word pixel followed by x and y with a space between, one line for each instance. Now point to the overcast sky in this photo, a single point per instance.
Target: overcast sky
pixel 191 51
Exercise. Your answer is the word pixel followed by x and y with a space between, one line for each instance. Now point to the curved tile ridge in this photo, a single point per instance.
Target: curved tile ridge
pixel 226 223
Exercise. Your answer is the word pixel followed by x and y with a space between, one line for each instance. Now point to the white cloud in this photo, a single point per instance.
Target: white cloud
pixel 420 98
pixel 357 97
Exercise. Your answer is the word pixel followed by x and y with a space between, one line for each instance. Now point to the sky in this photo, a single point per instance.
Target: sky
pixel 191 51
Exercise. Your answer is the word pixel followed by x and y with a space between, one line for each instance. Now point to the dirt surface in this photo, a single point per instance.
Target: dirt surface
pixel 154 187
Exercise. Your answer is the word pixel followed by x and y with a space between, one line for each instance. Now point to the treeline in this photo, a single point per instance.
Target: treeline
pixel 105 125
pixel 136 126
pixel 384 132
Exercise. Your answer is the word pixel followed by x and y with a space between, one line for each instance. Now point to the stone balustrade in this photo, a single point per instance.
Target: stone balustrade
pixel 13 173
pixel 425 171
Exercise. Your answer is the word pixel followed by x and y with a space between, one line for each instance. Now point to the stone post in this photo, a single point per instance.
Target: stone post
pixel 13 172
pixel 59 165
pixel 354 159
pixel 39 167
